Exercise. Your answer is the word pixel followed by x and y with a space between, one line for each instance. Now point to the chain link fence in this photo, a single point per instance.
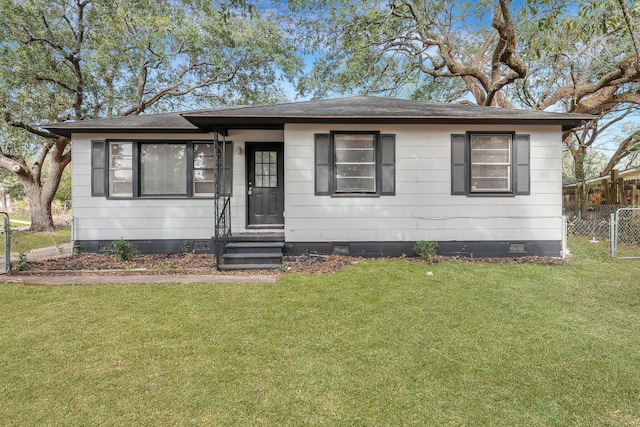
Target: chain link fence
pixel 625 242
pixel 595 224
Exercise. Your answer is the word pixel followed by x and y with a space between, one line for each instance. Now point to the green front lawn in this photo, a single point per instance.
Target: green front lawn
pixel 380 343
pixel 24 241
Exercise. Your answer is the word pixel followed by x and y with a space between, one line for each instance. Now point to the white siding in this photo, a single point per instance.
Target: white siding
pixel 99 218
pixel 423 207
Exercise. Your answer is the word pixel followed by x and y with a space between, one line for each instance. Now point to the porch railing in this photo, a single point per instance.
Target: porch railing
pixel 222 201
pixel 222 226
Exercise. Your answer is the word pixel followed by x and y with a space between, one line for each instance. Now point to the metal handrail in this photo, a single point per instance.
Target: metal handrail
pixel 222 202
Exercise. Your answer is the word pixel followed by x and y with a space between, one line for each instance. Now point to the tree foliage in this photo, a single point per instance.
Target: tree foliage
pixel 559 55
pixel 82 59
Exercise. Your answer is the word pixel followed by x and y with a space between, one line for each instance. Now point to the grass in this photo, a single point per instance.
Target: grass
pixel 24 241
pixel 377 344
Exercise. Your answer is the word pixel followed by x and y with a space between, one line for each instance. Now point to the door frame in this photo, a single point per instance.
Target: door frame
pixel 249 148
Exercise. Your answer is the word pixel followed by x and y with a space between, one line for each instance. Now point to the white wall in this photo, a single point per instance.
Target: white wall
pixel 423 207
pixel 99 218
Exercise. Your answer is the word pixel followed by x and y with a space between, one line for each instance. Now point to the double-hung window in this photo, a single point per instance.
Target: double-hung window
pixel 120 169
pixel 490 163
pixel 354 163
pixel 159 168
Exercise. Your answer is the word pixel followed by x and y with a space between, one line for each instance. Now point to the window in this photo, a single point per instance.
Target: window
pixel 163 169
pixel 204 169
pixel 120 169
pixel 158 168
pixel 353 163
pixel 490 164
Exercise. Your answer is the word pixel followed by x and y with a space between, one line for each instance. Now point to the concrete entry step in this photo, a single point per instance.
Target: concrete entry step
pixel 253 251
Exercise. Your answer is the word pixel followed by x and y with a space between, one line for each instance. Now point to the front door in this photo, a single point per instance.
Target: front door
pixel 265 184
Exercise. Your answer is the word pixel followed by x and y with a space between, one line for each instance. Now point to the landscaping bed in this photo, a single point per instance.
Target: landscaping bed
pixel 191 263
pixel 188 263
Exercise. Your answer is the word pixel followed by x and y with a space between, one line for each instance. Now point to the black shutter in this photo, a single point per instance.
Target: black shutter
pixel 387 165
pixel 97 168
pixel 522 175
pixel 323 164
pixel 459 165
pixel 228 169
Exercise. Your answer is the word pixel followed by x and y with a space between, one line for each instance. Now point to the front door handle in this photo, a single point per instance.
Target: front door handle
pixel 250 191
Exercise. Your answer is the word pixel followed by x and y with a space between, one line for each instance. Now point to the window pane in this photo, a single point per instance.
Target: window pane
pixel 163 169
pixel 266 170
pixel 120 169
pixel 203 169
pixel 203 175
pixel 483 142
pixel 203 187
pixel 355 155
pixel 355 163
pixel 347 171
pixel 351 185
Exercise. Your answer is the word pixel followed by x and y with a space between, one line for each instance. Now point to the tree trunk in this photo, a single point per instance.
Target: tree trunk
pixel 40 196
pixel 583 200
pixel 39 207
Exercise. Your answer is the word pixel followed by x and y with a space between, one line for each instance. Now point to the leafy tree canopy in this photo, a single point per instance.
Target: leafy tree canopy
pixel 80 59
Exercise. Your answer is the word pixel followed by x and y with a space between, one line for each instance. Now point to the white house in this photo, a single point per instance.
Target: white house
pixel 363 175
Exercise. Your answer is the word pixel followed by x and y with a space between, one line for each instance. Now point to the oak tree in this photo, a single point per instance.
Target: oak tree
pixel 82 59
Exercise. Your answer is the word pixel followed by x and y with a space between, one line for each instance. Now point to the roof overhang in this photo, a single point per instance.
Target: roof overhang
pixel 355 110
pixel 216 123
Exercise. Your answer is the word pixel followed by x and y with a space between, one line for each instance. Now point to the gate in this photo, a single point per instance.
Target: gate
pixel 625 233
pixel 5 252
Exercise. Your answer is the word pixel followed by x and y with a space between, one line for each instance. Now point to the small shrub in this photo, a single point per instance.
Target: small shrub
pixel 425 249
pixel 124 250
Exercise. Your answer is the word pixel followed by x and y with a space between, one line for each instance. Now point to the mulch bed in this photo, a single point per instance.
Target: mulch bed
pixel 188 263
pixel 191 263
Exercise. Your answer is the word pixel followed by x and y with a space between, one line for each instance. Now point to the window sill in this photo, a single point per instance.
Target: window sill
pixel 352 195
pixel 161 197
pixel 491 195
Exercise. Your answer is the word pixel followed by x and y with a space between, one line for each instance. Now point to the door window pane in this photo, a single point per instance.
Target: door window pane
pixel 266 169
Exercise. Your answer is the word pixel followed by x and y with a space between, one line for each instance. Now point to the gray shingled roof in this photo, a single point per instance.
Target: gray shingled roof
pixel 365 109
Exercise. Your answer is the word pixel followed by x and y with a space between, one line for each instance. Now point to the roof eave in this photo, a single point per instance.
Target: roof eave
pixel 66 131
pixel 274 122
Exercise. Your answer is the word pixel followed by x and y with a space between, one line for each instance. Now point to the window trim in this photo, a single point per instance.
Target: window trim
pixel 511 176
pixel 520 165
pixel 333 163
pixel 325 179
pixel 136 169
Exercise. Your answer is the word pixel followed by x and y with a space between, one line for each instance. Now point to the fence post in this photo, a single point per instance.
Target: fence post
pixel 612 235
pixel 7 242
pixel 565 234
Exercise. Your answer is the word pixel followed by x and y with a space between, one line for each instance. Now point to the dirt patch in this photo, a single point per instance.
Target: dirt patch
pixel 191 263
pixel 516 260
pixel 317 264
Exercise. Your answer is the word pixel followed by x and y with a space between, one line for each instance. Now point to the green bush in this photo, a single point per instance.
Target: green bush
pixel 425 249
pixel 124 250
